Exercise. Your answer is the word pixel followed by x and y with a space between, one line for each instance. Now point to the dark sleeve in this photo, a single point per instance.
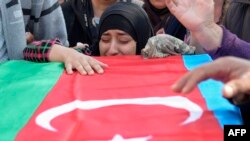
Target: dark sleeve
pixel 231 46
pixel 69 16
pixel 175 28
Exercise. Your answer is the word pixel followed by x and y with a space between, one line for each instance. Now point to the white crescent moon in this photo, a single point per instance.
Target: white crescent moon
pixel 195 111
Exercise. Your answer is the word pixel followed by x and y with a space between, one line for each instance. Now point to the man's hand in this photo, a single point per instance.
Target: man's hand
pixel 234 72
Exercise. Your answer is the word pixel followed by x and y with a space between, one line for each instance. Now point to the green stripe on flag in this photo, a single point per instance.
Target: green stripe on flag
pixel 17 108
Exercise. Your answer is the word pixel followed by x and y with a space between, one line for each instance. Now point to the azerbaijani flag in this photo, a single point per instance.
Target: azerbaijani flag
pixel 131 101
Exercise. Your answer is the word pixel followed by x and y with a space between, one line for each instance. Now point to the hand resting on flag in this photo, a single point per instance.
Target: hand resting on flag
pixel 84 64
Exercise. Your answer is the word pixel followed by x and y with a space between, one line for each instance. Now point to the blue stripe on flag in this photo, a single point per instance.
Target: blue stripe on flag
pixel 211 91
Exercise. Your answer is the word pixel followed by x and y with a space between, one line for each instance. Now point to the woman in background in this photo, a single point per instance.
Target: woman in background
pixel 237 19
pixel 82 19
pixel 162 20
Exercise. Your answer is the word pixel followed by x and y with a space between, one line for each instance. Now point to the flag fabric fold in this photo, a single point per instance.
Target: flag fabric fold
pixel 132 100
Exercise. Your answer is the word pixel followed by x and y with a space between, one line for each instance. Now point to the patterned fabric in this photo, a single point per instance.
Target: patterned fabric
pixel 38 51
pixel 163 45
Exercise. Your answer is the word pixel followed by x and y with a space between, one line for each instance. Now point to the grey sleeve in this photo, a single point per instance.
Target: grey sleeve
pixel 49 22
pixel 3 49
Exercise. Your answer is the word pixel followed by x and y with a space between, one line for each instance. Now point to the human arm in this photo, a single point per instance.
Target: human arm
pixel 231 45
pixel 52 50
pixel 198 17
pixel 234 72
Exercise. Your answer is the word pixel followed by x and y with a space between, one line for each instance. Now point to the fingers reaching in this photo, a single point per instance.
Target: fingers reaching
pixel 188 82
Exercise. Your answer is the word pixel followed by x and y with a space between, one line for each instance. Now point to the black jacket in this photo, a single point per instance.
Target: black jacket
pixel 78 16
pixel 170 24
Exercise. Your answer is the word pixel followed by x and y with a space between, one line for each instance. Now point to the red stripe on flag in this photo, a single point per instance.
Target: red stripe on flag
pixel 126 78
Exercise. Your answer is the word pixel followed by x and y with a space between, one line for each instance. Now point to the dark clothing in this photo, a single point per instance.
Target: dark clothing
pixel 155 14
pixel 245 113
pixel 162 18
pixel 237 19
pixel 174 28
pixel 78 16
pixel 133 17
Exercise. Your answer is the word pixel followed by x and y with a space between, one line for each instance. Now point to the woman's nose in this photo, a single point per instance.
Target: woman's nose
pixel 113 49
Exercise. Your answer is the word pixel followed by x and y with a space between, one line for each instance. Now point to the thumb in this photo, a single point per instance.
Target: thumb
pixel 238 90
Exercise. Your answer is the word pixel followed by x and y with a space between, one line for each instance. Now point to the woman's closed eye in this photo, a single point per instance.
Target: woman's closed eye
pixel 125 39
pixel 105 38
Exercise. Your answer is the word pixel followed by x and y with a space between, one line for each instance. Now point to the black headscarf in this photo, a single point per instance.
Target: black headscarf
pixel 130 18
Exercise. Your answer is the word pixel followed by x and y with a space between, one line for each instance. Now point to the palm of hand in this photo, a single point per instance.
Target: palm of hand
pixel 193 13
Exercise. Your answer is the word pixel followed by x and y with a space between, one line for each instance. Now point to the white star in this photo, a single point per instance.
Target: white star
pixel 120 138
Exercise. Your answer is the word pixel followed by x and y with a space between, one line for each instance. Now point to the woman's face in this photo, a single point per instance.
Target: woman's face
pixel 159 4
pixel 116 42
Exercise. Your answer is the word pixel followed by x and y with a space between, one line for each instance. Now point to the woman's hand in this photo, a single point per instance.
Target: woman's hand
pixel 85 65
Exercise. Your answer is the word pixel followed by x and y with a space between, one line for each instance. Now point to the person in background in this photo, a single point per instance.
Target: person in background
pixel 158 14
pixel 82 19
pixel 220 10
pixel 44 20
pixel 198 17
pixel 122 32
pixel 162 20
pixel 237 19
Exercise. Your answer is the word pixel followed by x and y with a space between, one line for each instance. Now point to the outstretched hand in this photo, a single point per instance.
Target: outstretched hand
pixel 192 13
pixel 234 72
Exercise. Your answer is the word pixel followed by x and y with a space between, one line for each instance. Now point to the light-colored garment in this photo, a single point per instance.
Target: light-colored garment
pixel 163 45
pixel 3 49
pixel 13 30
pixel 43 18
